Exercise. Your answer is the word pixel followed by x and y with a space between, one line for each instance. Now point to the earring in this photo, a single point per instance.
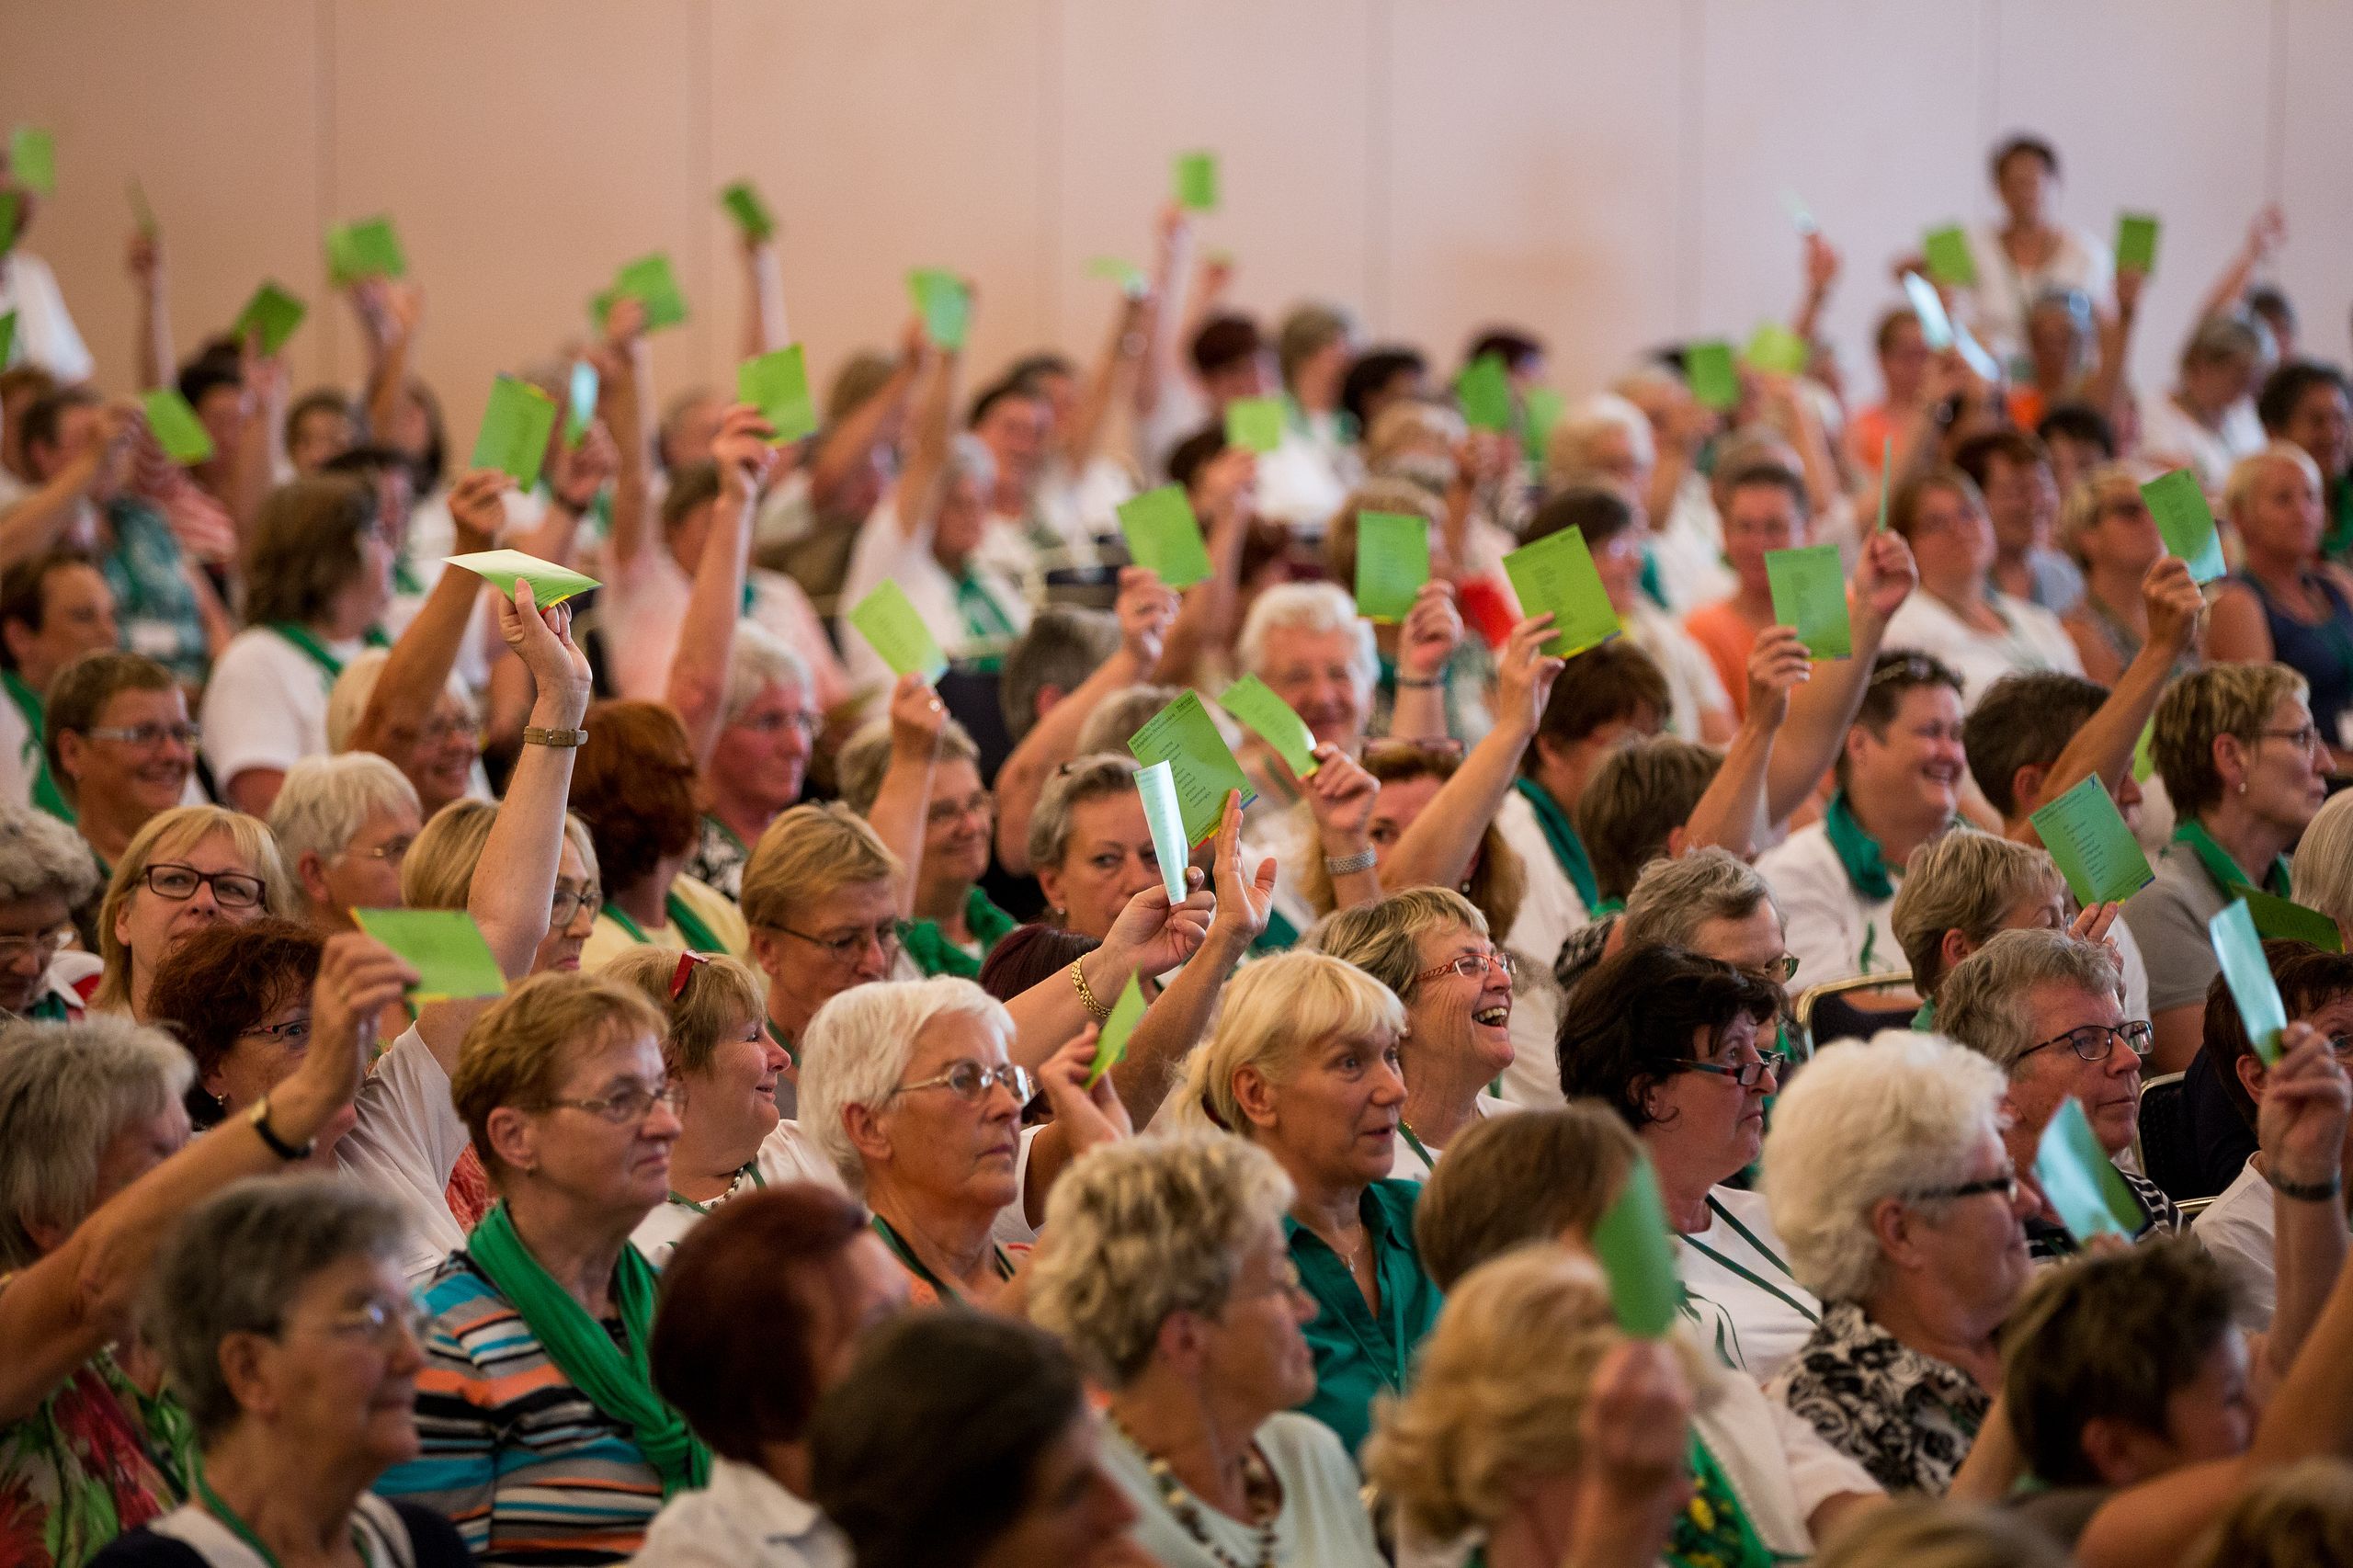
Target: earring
pixel 2242 786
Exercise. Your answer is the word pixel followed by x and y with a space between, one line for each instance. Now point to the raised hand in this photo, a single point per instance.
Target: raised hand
pixel 1524 679
pixel 624 324
pixel 741 450
pixel 1821 265
pixel 1778 664
pixel 1884 577
pixel 576 474
pixel 358 978
pixel 1089 1117
pixel 478 508
pixel 144 258
pixel 541 639
pixel 1146 608
pixel 2301 1122
pixel 2174 604
pixel 917 717
pixel 1152 936
pixel 1244 899
pixel 1341 795
pixel 1433 630
pixel 1225 480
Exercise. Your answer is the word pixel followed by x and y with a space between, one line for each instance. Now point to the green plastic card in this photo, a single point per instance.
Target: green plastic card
pixel 580 401
pixel 650 280
pixel 365 249
pixel 178 429
pixel 551 584
pixel 1950 262
pixel 2096 851
pixel 1164 537
pixel 1273 721
pixel 2248 974
pixel 1810 598
pixel 1543 408
pixel 751 214
pixel 1709 371
pixel 444 946
pixel 1197 181
pixel 945 304
pixel 1111 1041
pixel 1163 817
pixel 2186 522
pixel 32 158
pixel 2082 1182
pixel 778 385
pixel 1485 390
pixel 1184 736
pixel 1255 424
pixel 889 620
pixel 2280 920
pixel 1775 349
pixel 1125 274
pixel 515 429
pixel 8 338
pixel 1637 1254
pixel 274 313
pixel 1392 563
pixel 1556 574
pixel 2136 241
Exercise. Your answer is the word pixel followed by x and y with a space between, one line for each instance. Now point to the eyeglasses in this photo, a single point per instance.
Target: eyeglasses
pixel 940 812
pixel 1746 1073
pixel 1473 966
pixel 2094 1041
pixel 145 736
pixel 293 1032
pixel 441 732
pixel 393 852
pixel 769 723
pixel 1780 971
pixel 230 890
pixel 569 902
pixel 2007 1183
pixel 847 949
pixel 2306 738
pixel 628 1105
pixel 379 1318
pixel 970 1082
pixel 41 946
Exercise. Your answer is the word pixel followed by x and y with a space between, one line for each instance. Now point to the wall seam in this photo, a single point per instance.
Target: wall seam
pixel 323 105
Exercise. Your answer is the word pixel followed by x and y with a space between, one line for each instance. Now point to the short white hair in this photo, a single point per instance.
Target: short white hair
pixel 326 801
pixel 857 1047
pixel 1309 606
pixel 1861 1123
pixel 1565 455
pixel 2324 862
pixel 65 1091
pixel 347 698
pixel 758 660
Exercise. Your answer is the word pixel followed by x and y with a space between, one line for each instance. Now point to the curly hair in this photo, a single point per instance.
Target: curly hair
pixel 225 980
pixel 634 786
pixel 1630 1022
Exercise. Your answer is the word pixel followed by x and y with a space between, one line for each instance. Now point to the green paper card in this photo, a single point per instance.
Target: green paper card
pixel 1125 274
pixel 1775 347
pixel 444 946
pixel 1557 573
pixel 649 281
pixel 1935 326
pixel 1164 536
pixel 889 620
pixel 2249 976
pixel 778 385
pixel 2082 1183
pixel 1163 815
pixel 365 249
pixel 945 304
pixel 551 584
pixel 1197 181
pixel 2143 762
pixel 32 157
pixel 2096 852
pixel 9 202
pixel 1273 721
pixel 141 213
pixel 580 402
pixel 2186 522
pixel 2136 241
pixel 1184 736
pixel 1708 368
pixel 1485 390
pixel 751 215
pixel 1543 408
pixel 2280 920
pixel 515 430
pixel 1255 424
pixel 1111 1041
pixel 1810 597
pixel 178 429
pixel 274 313
pixel 1637 1254
pixel 1950 262
pixel 1392 563
pixel 8 337
pixel 1886 481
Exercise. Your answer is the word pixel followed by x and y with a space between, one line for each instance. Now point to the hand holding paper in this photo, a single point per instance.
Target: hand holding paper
pixel 1112 1041
pixel 1273 721
pixel 1484 390
pixel 2186 522
pixel 2096 851
pixel 1163 816
pixel 1197 181
pixel 176 428
pixel 1392 563
pixel 273 314
pixel 444 946
pixel 1184 736
pixel 946 306
pixel 2080 1181
pixel 1809 588
pixel 551 584
pixel 1714 379
pixel 1164 537
pixel 1255 424
pixel 778 385
pixel 515 429
pixel 1556 575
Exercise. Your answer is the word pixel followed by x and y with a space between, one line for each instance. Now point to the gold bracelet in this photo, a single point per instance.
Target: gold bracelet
pixel 1085 994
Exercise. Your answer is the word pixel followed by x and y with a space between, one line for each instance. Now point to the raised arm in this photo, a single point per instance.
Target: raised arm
pixel 764 326
pixel 2301 1127
pixel 1732 810
pixel 697 690
pixel 903 804
pixel 1821 272
pixel 929 433
pixel 152 313
pixel 2106 391
pixel 41 520
pixel 2264 235
pixel 1433 630
pixel 621 361
pixel 1150 936
pixel 1436 849
pixel 417 667
pixel 1107 381
pixel 1171 281
pixel 845 448
pixel 514 885
pixel 1207 616
pixel 1340 796
pixel 1822 709
pixel 389 315
pixel 253 467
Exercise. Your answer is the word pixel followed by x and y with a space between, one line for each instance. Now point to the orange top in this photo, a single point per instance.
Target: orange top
pixel 1727 636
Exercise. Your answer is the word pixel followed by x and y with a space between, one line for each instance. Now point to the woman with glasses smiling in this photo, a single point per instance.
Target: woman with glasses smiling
pixel 45 875
pixel 344 824
pixel 121 748
pixel 239 998
pixel 187 869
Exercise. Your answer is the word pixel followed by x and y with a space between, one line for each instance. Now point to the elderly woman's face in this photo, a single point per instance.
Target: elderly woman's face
pixel 1337 1112
pixel 963 517
pixel 152 925
pixel 1075 1515
pixel 1315 672
pixel 145 775
pixel 577 898
pixel 341 1371
pixel 608 1152
pixel 31 930
pixel 939 1142
pixel 442 767
pixel 366 873
pixel 1256 1350
pixel 848 938
pixel 1974 1248
pixel 2281 512
pixel 262 1056
pixel 763 752
pixel 1457 1024
pixel 959 823
pixel 2285 783
pixel 2124 535
pixel 730 1104
pixel 1703 1110
pixel 1109 861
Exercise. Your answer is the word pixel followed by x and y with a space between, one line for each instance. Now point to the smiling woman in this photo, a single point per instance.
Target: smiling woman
pixel 187 869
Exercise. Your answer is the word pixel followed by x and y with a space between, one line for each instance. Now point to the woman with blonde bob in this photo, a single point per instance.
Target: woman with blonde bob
pixel 188 867
pixel 1958 891
pixel 2321 870
pixel 1304 1063
pixel 2280 604
pixel 2107 526
pixel 1163 1264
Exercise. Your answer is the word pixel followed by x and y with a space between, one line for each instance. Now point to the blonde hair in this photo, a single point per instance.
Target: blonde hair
pixel 1099 775
pixel 1511 1180
pixel 2323 868
pixel 865 758
pixel 1401 496
pixel 2220 699
pixel 1385 938
pixel 2238 487
pixel 2299 1516
pixel 1497 884
pixel 1274 1012
pixel 1933 1532
pixel 326 802
pixel 347 698
pixel 519 1051
pixel 176 831
pixel 2093 494
pixel 1965 881
pixel 1119 716
pixel 720 995
pixel 439 872
pixel 809 853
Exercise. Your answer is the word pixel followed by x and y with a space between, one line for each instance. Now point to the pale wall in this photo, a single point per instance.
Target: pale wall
pixel 1609 171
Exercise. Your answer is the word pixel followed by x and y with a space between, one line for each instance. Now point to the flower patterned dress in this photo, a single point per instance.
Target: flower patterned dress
pixel 98 1458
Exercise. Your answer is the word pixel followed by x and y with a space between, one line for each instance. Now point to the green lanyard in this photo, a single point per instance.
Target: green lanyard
pixel 915 1265
pixel 2225 872
pixel 1415 1143
pixel 699 936
pixel 1721 1212
pixel 303 639
pixel 244 1532
pixel 1561 837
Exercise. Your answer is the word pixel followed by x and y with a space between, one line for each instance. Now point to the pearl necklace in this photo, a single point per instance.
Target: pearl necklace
pixel 1259 1483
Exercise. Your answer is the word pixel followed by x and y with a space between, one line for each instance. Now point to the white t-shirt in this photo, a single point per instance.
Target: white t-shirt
pixel 1833 929
pixel 1321 1524
pixel 404 1144
pixel 1299 482
pixel 2035 641
pixel 1743 1302
pixel 786 1154
pixel 1552 907
pixel 2170 438
pixel 2237 1228
pixel 1408 1163
pixel 45 332
pixel 1995 309
pixel 266 705
pixel 884 551
pixel 1693 687
pixel 1687 549
pixel 1777 1464
pixel 741 1519
pixel 20 756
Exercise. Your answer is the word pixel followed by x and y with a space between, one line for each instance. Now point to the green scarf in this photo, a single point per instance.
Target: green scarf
pixel 35 710
pixel 700 939
pixel 1713 1531
pixel 619 1385
pixel 1858 852
pixel 303 638
pixel 1560 835
pixel 935 954
pixel 2225 870
pixel 2336 542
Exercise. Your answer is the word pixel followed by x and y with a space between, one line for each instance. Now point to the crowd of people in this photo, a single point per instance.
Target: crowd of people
pixel 786 1206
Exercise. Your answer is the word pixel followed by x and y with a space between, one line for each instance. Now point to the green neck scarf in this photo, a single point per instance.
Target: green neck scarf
pixel 2336 542
pixel 1858 852
pixel 935 954
pixel 619 1384
pixel 1560 835
pixel 304 639
pixel 35 710
pixel 2225 870
pixel 1713 1530
pixel 700 937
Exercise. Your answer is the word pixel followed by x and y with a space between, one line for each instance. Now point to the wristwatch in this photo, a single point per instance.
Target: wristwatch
pixel 259 1117
pixel 2308 1191
pixel 540 735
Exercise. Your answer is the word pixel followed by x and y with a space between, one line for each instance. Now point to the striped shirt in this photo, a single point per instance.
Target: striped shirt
pixel 519 1459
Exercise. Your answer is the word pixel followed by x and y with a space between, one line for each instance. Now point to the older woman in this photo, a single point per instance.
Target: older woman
pixel 1409 775
pixel 239 998
pixel 289 1335
pixel 119 745
pixel 1959 615
pixel 1304 1063
pixel 634 786
pixel 1681 1047
pixel 730 1140
pixel 189 868
pixel 1090 844
pixel 2107 527
pixel 2321 868
pixel 1960 889
pixel 955 923
pixel 343 825
pixel 1903 1213
pixel 2243 763
pixel 443 763
pixel 2280 604
pixel 1430 947
pixel 767 730
pixel 542 1431
pixel 318 579
pixel 45 875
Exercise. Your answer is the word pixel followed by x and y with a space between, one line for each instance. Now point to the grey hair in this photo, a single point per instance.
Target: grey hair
pixel 1861 1124
pixel 1063 645
pixel 238 1263
pixel 326 801
pixel 2324 862
pixel 1565 462
pixel 1385 938
pixel 865 758
pixel 1966 881
pixel 1117 718
pixel 41 857
pixel 758 660
pixel 1672 899
pixel 1985 1003
pixel 65 1091
pixel 1083 779
pixel 1309 606
pixel 1145 1228
pixel 859 1045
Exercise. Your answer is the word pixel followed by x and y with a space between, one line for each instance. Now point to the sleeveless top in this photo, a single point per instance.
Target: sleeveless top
pixel 2323 655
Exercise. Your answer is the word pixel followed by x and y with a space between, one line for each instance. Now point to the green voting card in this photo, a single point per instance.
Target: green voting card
pixel 1273 721
pixel 9 202
pixel 2186 522
pixel 1886 481
pixel 1637 1255
pixel 141 213
pixel 8 337
pixel 2248 974
pixel 1557 573
pixel 2136 241
pixel 551 584
pixel 274 313
pixel 1184 736
pixel 580 402
pixel 778 385
pixel 1197 181
pixel 751 214
pixel 1950 262
pixel 2143 762
pixel 2096 852
pixel 650 282
pixel 1935 326
pixel 1810 598
pixel 1708 368
pixel 1543 408
pixel 1255 424
pixel 365 249
pixel 2280 920
pixel 1775 349
pixel 1485 390
pixel 1392 563
pixel 178 429
pixel 32 157
pixel 515 429
pixel 1111 1041
pixel 890 622
pixel 1164 536
pixel 444 946
pixel 1163 815
pixel 1125 274
pixel 945 304
pixel 2082 1182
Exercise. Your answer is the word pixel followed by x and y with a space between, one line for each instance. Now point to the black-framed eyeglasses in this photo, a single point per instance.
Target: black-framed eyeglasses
pixel 293 1032
pixel 567 902
pixel 1780 971
pixel 2094 1042
pixel 1473 966
pixel 628 1105
pixel 230 890
pixel 145 736
pixel 1746 1073
pixel 2007 1183
pixel 969 1081
pixel 847 949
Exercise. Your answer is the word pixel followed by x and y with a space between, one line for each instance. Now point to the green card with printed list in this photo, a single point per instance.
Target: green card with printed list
pixel 778 385
pixel 2186 522
pixel 2095 850
pixel 444 946
pixel 1111 1041
pixel 274 313
pixel 32 157
pixel 1950 263
pixel 1197 181
pixel 551 584
pixel 2082 1183
pixel 751 214
pixel 1637 1255
pixel 1556 574
pixel 1273 721
pixel 2281 920
pixel 1184 736
pixel 945 304
pixel 1163 818
pixel 2248 974
pixel 178 429
pixel 1255 424
pixel 1485 390
pixel 1808 588
pixel 650 280
pixel 515 429
pixel 1392 563
pixel 365 249
pixel 2136 241
pixel 1774 348
pixel 1715 380
pixel 1164 538
pixel 888 619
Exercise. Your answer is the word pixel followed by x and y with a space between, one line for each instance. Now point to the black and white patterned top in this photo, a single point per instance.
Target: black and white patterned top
pixel 2047 1242
pixel 1905 1417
